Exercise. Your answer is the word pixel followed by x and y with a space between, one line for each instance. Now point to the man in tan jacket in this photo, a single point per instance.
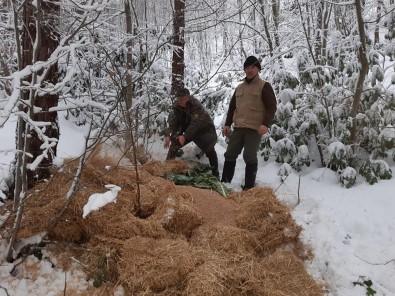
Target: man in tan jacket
pixel 251 112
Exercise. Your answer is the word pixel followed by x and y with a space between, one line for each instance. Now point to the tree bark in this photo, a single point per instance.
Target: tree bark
pixel 362 73
pixel 325 28
pixel 178 64
pixel 266 28
pixel 318 33
pixel 39 40
pixel 276 20
pixel 129 57
pixel 377 25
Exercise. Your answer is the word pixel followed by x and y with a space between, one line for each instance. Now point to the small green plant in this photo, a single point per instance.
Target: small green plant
pixel 365 283
pixel 367 171
pixel 100 274
pixel 348 177
pixel 373 170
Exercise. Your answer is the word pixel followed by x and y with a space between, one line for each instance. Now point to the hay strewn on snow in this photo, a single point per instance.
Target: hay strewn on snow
pixel 228 240
pixel 269 220
pixel 280 273
pixel 186 241
pixel 165 264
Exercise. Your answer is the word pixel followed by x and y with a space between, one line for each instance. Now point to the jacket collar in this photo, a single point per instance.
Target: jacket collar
pixel 248 81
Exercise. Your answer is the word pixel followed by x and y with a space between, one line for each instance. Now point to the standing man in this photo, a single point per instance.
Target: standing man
pixel 251 111
pixel 191 122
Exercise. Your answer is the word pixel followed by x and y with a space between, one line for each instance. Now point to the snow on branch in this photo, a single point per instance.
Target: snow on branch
pixel 18 76
pixel 48 143
pixel 93 7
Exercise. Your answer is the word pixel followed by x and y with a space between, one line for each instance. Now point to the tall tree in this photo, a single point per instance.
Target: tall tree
pixel 266 27
pixel 39 40
pixel 276 20
pixel 129 57
pixel 38 131
pixel 364 68
pixel 377 24
pixel 178 64
pixel 323 13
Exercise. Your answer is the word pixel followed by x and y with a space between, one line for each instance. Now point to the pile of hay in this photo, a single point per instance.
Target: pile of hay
pixel 267 219
pixel 185 241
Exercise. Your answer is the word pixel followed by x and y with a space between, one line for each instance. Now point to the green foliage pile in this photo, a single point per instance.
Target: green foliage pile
pixel 199 176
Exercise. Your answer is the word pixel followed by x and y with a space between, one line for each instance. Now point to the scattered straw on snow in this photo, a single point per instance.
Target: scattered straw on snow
pixel 187 241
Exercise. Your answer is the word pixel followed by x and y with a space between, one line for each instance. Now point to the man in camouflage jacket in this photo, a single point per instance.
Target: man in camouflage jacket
pixel 190 122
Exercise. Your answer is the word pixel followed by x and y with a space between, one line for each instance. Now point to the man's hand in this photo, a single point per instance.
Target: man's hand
pixel 226 131
pixel 262 130
pixel 166 143
pixel 181 139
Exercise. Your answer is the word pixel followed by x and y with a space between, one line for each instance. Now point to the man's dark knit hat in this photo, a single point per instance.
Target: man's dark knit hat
pixel 182 92
pixel 252 61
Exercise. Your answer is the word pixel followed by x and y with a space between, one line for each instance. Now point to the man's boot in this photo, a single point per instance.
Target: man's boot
pixel 228 171
pixel 213 159
pixel 250 175
pixel 215 172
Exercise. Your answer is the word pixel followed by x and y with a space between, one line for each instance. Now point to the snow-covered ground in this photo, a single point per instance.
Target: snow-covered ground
pixel 351 231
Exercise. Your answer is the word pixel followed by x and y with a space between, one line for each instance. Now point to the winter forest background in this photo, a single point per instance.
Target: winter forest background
pixel 113 67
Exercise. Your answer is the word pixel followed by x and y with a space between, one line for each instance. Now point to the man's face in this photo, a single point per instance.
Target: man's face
pixel 182 101
pixel 251 71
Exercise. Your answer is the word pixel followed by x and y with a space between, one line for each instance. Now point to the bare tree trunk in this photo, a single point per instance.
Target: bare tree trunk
pixel 377 27
pixel 325 28
pixel 225 34
pixel 129 57
pixel 276 20
pixel 341 17
pixel 254 24
pixel 128 88
pixel 242 51
pixel 178 65
pixel 323 14
pixel 318 33
pixel 266 28
pixel 39 40
pixel 306 30
pixel 362 73
pixel 130 142
pixel 308 24
pixel 20 184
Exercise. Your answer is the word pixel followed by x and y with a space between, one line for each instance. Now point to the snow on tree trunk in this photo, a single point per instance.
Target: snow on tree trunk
pixel 39 40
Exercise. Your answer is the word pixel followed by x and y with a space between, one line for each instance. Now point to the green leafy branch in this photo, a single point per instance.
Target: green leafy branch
pixel 365 283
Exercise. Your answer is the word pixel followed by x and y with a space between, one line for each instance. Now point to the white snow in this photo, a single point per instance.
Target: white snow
pixel 99 200
pixel 351 231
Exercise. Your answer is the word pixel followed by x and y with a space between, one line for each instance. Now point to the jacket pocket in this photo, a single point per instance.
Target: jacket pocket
pixel 239 92
pixel 254 97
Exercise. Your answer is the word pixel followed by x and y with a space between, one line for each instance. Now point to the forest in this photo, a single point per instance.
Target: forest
pixel 114 66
